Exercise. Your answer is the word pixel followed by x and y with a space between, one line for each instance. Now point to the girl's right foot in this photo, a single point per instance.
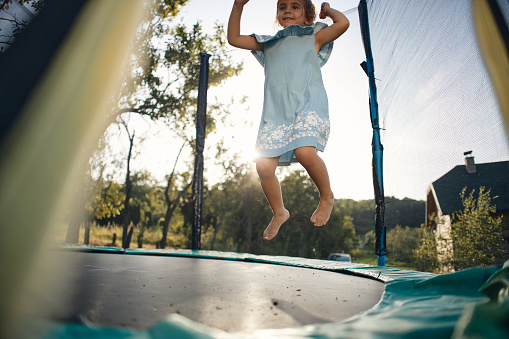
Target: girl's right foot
pixel 276 222
pixel 323 211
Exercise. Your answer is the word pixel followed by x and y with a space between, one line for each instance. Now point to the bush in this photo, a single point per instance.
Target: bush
pixel 425 255
pixel 401 243
pixel 476 233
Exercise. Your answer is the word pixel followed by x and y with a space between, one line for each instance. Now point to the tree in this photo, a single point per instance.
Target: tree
pixel 162 82
pixel 171 205
pixel 107 202
pixel 234 209
pixel 369 242
pixel 126 236
pixel 303 239
pixel 146 205
pixel 476 232
pixel 402 242
pixel 426 256
pixel 97 194
pixel 237 212
pixel 17 25
pixel 36 4
pixel 163 76
pixel 362 212
pixel 405 212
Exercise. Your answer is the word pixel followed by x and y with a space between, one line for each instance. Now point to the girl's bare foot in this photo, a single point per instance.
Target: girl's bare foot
pixel 276 222
pixel 323 211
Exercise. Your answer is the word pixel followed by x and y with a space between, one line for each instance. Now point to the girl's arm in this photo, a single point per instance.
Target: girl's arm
pixel 234 37
pixel 334 31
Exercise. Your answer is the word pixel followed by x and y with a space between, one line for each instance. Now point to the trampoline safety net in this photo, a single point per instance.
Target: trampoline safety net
pixel 435 96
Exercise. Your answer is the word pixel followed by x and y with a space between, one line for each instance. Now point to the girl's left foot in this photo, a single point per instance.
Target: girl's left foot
pixel 276 223
pixel 323 211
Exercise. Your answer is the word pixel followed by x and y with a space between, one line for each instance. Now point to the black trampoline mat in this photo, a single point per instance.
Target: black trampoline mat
pixel 137 291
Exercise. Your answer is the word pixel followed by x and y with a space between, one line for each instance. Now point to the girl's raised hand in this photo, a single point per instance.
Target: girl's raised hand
pixel 241 2
pixel 324 10
pixel 339 26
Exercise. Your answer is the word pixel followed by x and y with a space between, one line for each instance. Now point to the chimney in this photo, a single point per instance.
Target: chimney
pixel 469 163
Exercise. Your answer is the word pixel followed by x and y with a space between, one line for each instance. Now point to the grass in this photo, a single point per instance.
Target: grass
pixel 103 236
pixel 371 259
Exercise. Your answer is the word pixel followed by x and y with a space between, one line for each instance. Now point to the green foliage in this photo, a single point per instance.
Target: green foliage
pixel 147 205
pixel 237 212
pixel 476 233
pixel 371 259
pixel 163 77
pixel 166 8
pixel 369 242
pixel 476 237
pixel 98 195
pixel 37 4
pixel 17 26
pixel 362 212
pixel 401 242
pixel 425 254
pixel 233 212
pixel 299 236
pixel 161 83
pixel 102 235
pixel 405 212
pixel 106 201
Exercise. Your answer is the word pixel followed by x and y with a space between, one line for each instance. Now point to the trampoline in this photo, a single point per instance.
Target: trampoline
pixel 92 292
pixel 139 290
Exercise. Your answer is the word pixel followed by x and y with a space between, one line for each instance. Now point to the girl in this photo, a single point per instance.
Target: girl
pixel 295 118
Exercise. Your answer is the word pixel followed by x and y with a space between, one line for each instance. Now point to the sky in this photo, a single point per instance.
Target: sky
pixel 348 152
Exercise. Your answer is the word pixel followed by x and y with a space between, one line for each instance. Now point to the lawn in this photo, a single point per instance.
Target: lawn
pixel 104 236
pixel 371 259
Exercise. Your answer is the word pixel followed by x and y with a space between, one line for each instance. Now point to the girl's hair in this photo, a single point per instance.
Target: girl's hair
pixel 309 10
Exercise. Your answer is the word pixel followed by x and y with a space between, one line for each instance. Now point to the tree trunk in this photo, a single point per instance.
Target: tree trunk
pixel 249 234
pixel 215 224
pixel 169 213
pixel 171 205
pixel 73 231
pixel 86 240
pixel 129 237
pixel 128 188
pixel 140 240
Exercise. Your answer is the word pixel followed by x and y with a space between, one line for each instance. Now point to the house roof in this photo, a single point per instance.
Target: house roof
pixel 494 176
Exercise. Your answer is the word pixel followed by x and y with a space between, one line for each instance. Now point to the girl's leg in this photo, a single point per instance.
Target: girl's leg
pixel 266 168
pixel 317 171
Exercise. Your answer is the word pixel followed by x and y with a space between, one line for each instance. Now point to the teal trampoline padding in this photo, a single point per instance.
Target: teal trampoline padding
pixel 86 248
pixel 414 305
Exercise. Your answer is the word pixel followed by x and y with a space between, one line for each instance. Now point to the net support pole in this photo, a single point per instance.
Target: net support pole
pixel 368 66
pixel 200 145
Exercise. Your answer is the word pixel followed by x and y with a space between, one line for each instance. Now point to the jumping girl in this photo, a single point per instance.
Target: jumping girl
pixel 295 118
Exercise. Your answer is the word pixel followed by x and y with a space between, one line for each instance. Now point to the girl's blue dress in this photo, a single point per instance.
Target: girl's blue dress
pixel 295 108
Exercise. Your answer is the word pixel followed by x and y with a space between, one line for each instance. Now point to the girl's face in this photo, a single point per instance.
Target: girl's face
pixel 291 12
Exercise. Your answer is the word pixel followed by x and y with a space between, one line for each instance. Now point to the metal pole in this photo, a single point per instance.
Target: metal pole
pixel 378 184
pixel 200 145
